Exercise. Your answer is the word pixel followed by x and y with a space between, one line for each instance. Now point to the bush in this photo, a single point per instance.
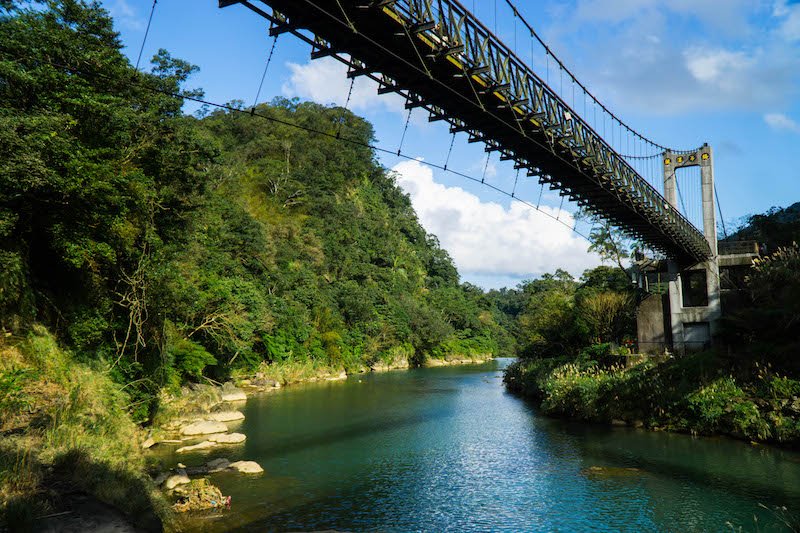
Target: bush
pixel 79 428
pixel 687 394
pixel 767 322
pixel 191 358
pixel 606 314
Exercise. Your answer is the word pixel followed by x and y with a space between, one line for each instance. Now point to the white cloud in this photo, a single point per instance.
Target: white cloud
pixel 325 81
pixel 779 121
pixel 125 15
pixel 488 241
pixel 678 56
pixel 716 66
pixel 789 28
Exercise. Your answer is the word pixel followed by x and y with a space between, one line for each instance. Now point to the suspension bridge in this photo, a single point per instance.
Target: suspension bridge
pixel 441 57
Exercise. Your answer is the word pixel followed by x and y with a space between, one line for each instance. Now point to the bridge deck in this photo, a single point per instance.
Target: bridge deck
pixel 437 55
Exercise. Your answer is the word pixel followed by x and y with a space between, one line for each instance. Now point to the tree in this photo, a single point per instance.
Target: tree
pixel 606 315
pixel 608 241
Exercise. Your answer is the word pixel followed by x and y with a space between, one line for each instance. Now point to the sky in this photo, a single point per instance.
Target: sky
pixel 682 72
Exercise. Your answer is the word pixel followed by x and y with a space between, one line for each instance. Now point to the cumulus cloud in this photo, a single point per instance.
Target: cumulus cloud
pixel 325 81
pixel 779 121
pixel 680 56
pixel 716 66
pixel 488 241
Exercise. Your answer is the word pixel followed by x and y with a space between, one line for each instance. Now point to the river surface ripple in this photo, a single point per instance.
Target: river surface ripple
pixel 448 449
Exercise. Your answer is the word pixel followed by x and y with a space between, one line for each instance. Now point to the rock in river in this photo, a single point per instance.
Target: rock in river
pixel 204 427
pixel 201 446
pixel 217 465
pixel 227 438
pixel 246 467
pixel 226 416
pixel 175 480
pixel 611 471
pixel 232 394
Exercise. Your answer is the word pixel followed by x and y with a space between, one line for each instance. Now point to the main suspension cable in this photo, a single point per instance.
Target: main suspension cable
pixel 266 67
pixel 146 32
pixel 549 53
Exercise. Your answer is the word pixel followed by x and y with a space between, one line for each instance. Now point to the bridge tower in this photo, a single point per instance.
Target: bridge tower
pixel 686 317
pixel 694 293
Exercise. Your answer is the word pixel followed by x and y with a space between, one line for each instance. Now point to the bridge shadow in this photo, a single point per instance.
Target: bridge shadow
pixel 328 436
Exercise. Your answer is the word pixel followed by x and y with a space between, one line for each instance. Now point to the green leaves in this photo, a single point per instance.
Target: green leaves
pixel 173 248
pixel 190 357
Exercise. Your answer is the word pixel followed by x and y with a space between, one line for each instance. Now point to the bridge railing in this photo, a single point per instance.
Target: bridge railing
pixel 445 29
pixel 456 33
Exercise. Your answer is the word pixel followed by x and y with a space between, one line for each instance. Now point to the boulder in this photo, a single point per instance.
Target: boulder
pixel 200 495
pixel 234 395
pixel 161 478
pixel 246 467
pixel 226 416
pixel 149 443
pixel 201 446
pixel 177 479
pixel 337 377
pixel 227 438
pixel 203 427
pixel 217 465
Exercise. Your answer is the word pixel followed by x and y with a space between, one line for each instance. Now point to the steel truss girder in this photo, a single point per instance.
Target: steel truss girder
pixel 441 57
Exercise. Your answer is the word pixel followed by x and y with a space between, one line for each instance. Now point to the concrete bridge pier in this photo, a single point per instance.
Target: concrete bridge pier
pixel 686 317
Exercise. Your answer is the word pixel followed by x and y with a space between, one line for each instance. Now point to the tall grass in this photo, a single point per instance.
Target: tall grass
pixel 76 434
pixel 700 394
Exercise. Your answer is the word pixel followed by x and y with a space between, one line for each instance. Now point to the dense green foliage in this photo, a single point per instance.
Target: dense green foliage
pixel 699 394
pixel 160 248
pixel 170 248
pixel 556 315
pixel 776 228
pixel 764 325
pixel 752 392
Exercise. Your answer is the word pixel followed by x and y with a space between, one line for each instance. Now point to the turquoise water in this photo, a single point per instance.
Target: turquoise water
pixel 448 449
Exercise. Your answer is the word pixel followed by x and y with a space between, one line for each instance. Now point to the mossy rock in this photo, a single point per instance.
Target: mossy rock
pixel 199 495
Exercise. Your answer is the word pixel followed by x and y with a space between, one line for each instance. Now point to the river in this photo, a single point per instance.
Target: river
pixel 448 449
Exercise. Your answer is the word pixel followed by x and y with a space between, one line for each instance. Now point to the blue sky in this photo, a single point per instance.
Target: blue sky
pixel 683 72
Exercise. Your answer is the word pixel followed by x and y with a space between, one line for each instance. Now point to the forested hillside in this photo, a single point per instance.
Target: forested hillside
pixel 142 249
pixel 779 226
pixel 170 247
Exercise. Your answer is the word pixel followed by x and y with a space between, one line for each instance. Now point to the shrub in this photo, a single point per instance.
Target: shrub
pixel 191 358
pixel 83 434
pixel 606 314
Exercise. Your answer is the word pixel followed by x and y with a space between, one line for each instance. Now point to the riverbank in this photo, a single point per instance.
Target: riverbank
pixel 66 436
pixel 270 377
pixel 701 394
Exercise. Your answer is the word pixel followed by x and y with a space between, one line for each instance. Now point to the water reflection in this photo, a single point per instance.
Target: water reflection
pixel 447 449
